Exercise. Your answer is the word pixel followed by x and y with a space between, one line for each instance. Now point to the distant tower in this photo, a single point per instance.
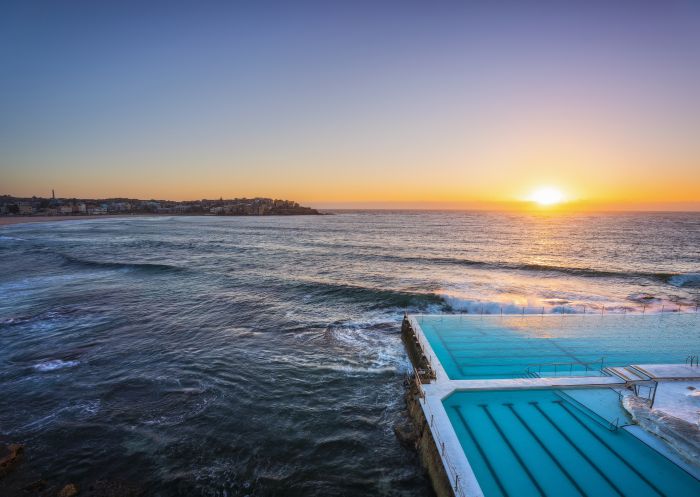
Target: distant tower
pixel 53 194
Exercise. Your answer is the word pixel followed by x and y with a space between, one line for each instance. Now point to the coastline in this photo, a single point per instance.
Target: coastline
pixel 14 220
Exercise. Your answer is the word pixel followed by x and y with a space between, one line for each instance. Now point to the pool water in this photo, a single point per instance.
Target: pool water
pixel 514 346
pixel 542 443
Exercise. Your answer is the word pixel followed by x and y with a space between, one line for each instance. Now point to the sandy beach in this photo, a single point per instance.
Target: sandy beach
pixel 10 220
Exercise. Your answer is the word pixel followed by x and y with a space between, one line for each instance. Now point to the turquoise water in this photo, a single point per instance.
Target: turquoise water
pixel 533 443
pixel 472 347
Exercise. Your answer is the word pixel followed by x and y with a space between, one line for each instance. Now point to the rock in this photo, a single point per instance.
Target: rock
pixel 10 456
pixel 70 490
pixel 682 436
pixel 406 434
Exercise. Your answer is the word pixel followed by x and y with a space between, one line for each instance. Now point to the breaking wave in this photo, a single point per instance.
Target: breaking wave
pixel 54 364
pixel 139 266
pixel 441 301
pixel 378 297
pixel 688 280
pixel 568 270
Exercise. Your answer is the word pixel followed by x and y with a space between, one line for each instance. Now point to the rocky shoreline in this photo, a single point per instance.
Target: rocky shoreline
pixel 15 481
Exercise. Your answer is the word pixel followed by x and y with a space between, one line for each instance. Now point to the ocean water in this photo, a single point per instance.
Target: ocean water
pixel 223 356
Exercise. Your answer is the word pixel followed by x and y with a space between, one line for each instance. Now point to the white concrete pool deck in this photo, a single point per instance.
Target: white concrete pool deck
pixel 669 371
pixel 458 469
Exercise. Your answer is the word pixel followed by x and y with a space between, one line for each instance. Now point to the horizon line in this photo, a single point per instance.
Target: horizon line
pixel 439 205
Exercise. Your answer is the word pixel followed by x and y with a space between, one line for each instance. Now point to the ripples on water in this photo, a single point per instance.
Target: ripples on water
pixel 261 356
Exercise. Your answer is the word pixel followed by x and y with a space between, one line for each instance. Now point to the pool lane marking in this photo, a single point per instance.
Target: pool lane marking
pixel 566 352
pixel 546 449
pixel 615 452
pixel 533 480
pixel 481 451
pixel 449 352
pixel 577 448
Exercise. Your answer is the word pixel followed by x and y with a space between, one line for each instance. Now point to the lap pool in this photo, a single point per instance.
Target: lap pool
pixel 541 443
pixel 514 346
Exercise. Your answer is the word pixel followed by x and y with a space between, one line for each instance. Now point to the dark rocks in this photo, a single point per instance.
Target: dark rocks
pixel 99 488
pixel 10 457
pixel 70 490
pixel 407 434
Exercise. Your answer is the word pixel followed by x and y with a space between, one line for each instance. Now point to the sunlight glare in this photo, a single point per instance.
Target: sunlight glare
pixel 547 196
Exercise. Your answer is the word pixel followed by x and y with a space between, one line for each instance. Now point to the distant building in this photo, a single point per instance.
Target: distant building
pixel 25 208
pixel 258 206
pixel 95 210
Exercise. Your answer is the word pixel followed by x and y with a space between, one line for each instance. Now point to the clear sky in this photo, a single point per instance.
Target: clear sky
pixel 358 103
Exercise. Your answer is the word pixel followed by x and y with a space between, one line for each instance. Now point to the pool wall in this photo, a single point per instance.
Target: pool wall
pixel 424 441
pixel 436 442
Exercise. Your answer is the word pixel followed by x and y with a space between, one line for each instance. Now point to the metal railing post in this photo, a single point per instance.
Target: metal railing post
pixel 653 395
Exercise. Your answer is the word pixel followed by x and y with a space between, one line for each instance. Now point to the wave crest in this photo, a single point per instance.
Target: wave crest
pixel 686 280
pixel 54 364
pixel 139 266
pixel 531 267
pixel 379 297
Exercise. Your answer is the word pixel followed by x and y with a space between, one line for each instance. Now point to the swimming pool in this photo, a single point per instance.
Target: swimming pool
pixel 545 443
pixel 514 346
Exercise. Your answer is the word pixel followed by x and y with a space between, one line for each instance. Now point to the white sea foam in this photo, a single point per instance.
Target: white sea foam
pixel 491 307
pixel 368 348
pixel 640 304
pixel 81 410
pixel 54 364
pixel 89 407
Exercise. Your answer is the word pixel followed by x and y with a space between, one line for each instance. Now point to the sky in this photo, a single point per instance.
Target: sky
pixel 353 104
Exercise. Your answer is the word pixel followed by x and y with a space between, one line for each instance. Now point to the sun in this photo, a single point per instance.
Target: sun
pixel 547 196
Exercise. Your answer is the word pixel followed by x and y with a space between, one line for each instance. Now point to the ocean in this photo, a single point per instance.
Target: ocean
pixel 224 356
